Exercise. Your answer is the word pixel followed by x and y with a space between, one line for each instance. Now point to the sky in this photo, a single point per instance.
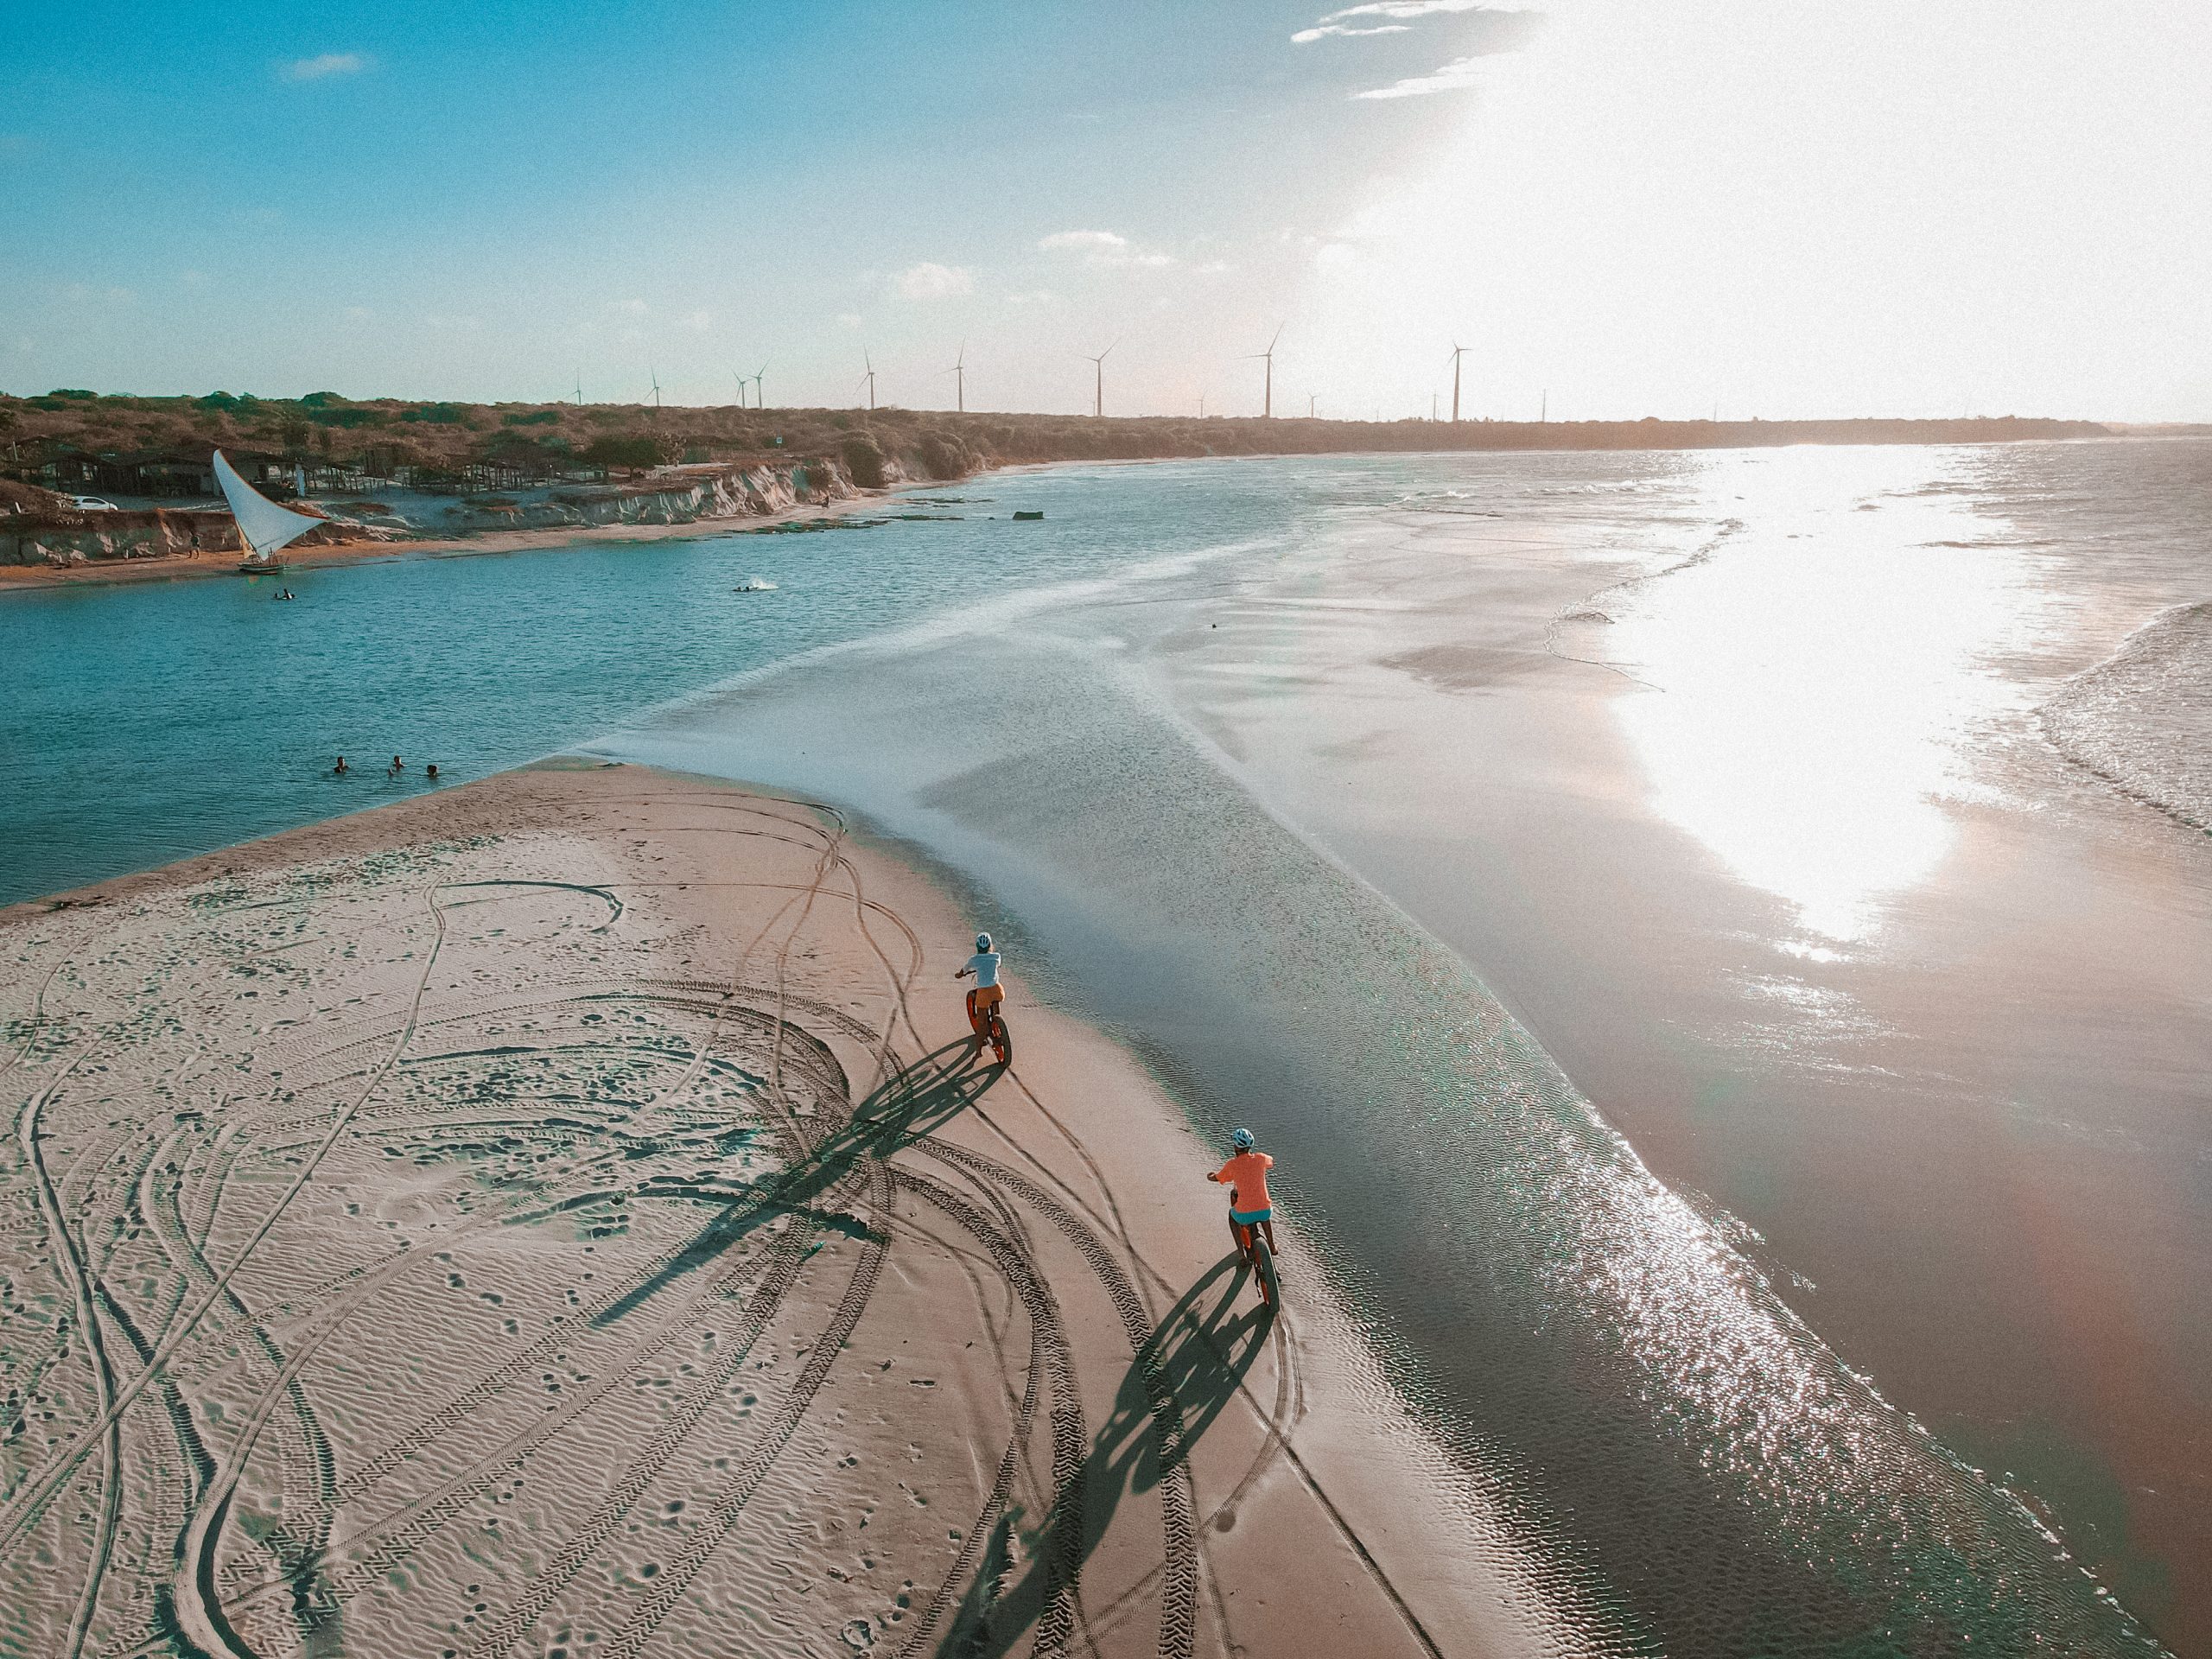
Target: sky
pixel 1619 207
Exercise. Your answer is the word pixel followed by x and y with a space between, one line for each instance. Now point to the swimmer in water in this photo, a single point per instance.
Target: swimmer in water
pixel 340 769
pixel 398 764
pixel 431 771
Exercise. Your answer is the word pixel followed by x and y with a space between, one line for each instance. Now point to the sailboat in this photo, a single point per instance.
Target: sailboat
pixel 264 526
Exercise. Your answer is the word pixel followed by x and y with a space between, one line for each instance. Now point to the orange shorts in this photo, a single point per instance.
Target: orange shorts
pixel 985 997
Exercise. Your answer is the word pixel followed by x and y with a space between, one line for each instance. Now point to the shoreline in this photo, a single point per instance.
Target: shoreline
pixel 33 577
pixel 29 578
pixel 923 1256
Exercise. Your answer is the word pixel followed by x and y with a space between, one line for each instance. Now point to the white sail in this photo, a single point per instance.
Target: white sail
pixel 263 526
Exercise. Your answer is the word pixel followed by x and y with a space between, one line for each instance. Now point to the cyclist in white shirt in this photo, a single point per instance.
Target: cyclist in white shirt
pixel 984 967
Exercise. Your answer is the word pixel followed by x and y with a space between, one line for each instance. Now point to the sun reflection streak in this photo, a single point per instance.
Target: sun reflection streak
pixel 1812 677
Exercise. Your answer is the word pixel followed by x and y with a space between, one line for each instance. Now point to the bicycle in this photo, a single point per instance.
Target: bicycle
pixel 990 1030
pixel 1252 1245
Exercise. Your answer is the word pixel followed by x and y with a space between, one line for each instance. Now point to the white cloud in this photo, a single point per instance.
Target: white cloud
pixel 1102 248
pixel 1034 296
pixel 1093 242
pixel 1455 76
pixel 699 321
pixel 628 308
pixel 1307 36
pixel 930 280
pixel 326 65
pixel 850 319
pixel 1334 23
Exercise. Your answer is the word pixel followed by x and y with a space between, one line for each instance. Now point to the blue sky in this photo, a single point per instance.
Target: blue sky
pixel 487 201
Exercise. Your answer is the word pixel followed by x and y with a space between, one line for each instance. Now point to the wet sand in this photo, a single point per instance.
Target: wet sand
pixel 564 1215
pixel 1969 1148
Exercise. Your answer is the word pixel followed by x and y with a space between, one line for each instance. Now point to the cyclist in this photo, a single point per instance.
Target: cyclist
pixel 1246 1176
pixel 987 994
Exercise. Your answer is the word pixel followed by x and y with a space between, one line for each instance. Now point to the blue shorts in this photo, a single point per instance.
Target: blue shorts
pixel 1249 1218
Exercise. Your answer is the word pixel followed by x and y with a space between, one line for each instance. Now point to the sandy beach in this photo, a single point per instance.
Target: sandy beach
pixel 564 1215
pixel 191 566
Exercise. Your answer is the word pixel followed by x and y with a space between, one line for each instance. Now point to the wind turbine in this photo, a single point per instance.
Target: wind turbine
pixel 1309 405
pixel 1267 402
pixel 580 388
pixel 869 379
pixel 1098 387
pixel 959 373
pixel 1458 351
pixel 740 378
pixel 656 375
pixel 760 393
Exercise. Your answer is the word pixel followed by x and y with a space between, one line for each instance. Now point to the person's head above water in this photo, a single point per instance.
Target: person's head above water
pixel 983 944
pixel 1242 1139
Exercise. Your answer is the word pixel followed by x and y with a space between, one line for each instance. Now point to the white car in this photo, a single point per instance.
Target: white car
pixel 91 504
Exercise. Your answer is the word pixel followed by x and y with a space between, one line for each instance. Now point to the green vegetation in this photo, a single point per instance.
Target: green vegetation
pixel 864 461
pixel 634 453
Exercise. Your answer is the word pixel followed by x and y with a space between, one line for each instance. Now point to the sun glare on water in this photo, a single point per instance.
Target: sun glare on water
pixel 1812 673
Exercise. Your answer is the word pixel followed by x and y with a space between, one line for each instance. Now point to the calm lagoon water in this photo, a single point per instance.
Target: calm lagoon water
pixel 1225 749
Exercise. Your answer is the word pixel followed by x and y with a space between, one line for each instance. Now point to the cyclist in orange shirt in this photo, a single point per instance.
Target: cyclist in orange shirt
pixel 1246 1176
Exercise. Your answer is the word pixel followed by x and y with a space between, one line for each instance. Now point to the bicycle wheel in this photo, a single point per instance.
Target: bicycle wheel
pixel 1263 1264
pixel 1001 1040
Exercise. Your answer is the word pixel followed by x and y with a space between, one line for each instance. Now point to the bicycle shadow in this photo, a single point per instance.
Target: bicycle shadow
pixel 1199 1355
pixel 914 1101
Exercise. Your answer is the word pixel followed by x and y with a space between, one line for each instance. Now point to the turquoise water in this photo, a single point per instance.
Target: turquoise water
pixel 1700 1471
pixel 142 725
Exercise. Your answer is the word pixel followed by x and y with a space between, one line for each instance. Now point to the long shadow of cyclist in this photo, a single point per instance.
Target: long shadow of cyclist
pixel 913 1101
pixel 1199 1355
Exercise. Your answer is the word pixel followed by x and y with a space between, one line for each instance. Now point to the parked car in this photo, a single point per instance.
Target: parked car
pixel 89 504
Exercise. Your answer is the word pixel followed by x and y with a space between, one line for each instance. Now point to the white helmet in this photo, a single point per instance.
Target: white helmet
pixel 983 942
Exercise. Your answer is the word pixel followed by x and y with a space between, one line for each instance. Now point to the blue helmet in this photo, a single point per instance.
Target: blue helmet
pixel 982 942
pixel 1240 1139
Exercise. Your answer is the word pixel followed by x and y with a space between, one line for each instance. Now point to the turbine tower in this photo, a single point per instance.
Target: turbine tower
pixel 869 379
pixel 656 376
pixel 1268 398
pixel 1309 405
pixel 760 393
pixel 580 388
pixel 1458 351
pixel 1098 383
pixel 740 378
pixel 959 373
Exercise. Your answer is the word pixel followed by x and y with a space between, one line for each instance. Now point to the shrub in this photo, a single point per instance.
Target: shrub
pixel 536 417
pixel 864 461
pixel 945 457
pixel 74 394
pixel 623 452
pixel 436 414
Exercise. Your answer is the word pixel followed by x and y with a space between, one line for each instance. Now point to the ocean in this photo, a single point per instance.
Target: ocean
pixel 1719 944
